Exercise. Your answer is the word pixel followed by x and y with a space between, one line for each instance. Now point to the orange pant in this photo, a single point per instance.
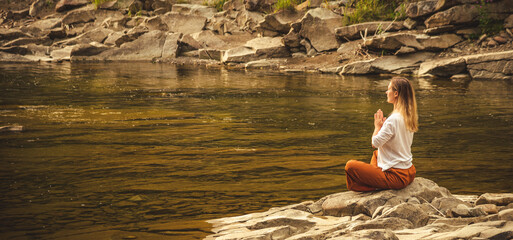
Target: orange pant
pixel 364 177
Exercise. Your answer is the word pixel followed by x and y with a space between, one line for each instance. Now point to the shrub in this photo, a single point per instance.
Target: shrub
pixel 486 23
pixel 97 3
pixel 372 10
pixel 285 4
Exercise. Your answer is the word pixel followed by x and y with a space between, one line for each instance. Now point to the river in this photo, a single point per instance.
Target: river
pixel 151 151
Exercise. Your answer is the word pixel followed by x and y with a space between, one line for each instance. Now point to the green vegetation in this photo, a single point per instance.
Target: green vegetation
pixel 372 10
pixel 285 4
pixel 97 3
pixel 486 23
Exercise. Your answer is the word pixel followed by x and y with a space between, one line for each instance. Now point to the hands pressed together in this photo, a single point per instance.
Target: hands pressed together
pixel 379 119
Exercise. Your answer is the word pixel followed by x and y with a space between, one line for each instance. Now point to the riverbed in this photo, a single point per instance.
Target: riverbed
pixel 156 149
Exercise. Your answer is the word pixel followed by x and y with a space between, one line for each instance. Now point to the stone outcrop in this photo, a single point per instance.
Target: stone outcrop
pixel 456 15
pixel 315 37
pixel 395 41
pixel 318 26
pixel 356 31
pixel 419 211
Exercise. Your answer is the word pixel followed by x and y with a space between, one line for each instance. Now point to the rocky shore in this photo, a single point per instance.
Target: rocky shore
pixel 423 210
pixel 438 37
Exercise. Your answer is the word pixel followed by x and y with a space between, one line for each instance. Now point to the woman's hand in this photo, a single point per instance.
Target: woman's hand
pixel 378 122
pixel 379 119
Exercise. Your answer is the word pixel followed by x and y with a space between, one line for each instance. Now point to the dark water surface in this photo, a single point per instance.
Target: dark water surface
pixel 152 150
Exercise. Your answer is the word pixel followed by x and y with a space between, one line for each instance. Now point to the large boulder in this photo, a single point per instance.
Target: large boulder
pixel 267 47
pixel 150 46
pixel 354 203
pixel 65 5
pixel 184 23
pixel 443 67
pixel 421 8
pixel 461 14
pixel 318 26
pixel 279 22
pixel 355 31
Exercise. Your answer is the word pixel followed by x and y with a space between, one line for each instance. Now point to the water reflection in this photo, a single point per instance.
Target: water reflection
pixel 152 150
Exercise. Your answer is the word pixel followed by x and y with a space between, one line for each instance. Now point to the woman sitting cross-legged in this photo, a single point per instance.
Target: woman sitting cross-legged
pixel 391 165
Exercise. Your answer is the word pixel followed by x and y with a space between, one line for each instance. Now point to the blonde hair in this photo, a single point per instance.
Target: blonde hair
pixel 406 104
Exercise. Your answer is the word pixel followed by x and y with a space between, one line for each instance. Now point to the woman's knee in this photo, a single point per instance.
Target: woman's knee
pixel 350 165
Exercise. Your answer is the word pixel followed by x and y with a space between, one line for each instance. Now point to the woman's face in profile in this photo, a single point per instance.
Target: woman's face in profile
pixel 391 94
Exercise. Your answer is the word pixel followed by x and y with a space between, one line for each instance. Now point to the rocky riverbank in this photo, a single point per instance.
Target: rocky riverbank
pixel 423 210
pixel 438 37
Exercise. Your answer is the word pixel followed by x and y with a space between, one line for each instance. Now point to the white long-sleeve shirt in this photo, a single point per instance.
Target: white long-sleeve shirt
pixel 394 144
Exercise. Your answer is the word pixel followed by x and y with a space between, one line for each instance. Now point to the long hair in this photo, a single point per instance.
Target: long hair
pixel 406 104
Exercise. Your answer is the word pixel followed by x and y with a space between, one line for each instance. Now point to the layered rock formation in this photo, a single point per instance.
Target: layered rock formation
pixel 423 210
pixel 313 37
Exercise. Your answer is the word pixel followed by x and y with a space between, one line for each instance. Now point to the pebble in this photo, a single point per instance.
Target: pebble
pixel 492 43
pixel 500 39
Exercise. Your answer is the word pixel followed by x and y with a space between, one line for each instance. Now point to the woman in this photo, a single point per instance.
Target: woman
pixel 391 165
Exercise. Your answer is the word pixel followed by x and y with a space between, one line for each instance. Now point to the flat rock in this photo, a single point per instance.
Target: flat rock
pixel 318 26
pixel 395 41
pixel 11 34
pixel 392 64
pixel 88 49
pixel 497 65
pixel 264 63
pixel 500 199
pixel 355 31
pixel 65 5
pixel 81 15
pixel 357 68
pixel 443 67
pixel 147 47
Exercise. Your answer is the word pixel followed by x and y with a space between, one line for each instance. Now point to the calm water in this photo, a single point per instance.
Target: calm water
pixel 149 150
